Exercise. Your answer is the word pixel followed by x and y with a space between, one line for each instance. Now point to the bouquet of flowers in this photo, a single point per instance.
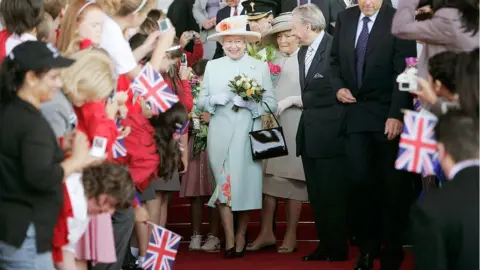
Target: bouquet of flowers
pixel 200 131
pixel 247 88
pixel 267 54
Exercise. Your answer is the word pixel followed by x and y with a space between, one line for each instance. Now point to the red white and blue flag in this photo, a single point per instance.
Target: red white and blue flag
pixel 151 86
pixel 418 146
pixel 162 249
pixel 118 147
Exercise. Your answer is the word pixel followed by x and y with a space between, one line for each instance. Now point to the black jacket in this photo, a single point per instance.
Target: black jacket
pixel 30 175
pixel 378 98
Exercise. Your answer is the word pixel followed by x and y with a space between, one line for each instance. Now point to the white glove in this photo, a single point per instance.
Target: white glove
pixel 287 103
pixel 220 99
pixel 238 100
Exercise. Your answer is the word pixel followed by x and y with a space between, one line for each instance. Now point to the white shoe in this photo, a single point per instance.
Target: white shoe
pixel 195 242
pixel 212 244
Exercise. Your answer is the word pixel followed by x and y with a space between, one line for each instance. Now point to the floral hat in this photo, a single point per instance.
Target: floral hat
pixel 234 26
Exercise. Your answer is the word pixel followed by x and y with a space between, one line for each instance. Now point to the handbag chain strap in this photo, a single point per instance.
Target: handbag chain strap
pixel 276 120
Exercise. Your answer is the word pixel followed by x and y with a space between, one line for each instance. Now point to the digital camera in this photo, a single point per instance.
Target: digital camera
pixel 407 81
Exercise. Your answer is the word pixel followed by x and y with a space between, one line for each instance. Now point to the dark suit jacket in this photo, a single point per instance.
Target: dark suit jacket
pixel 444 225
pixel 318 134
pixel 378 98
pixel 223 14
pixel 329 8
pixel 30 175
pixel 181 15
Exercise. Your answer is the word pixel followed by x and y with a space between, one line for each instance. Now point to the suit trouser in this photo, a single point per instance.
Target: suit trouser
pixel 380 195
pixel 122 221
pixel 327 192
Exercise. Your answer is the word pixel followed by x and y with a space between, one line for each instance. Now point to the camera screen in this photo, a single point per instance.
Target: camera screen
pixel 405 85
pixel 99 142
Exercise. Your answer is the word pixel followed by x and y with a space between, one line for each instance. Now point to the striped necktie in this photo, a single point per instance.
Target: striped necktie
pixel 235 11
pixel 308 60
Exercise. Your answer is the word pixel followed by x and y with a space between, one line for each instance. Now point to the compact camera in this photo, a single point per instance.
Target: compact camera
pixel 99 147
pixel 407 81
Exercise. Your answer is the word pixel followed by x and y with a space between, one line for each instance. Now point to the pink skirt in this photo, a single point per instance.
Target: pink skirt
pixel 98 244
pixel 197 181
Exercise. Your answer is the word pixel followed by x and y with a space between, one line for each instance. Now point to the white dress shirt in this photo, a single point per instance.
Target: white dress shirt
pixel 360 24
pixel 239 9
pixel 463 165
pixel 313 47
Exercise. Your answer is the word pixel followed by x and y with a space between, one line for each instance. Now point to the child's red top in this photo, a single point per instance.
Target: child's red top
pixel 4 35
pixel 93 121
pixel 142 157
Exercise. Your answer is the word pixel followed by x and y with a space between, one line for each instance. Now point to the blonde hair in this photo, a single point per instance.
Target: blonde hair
pixel 92 74
pixel 45 27
pixel 123 8
pixel 68 40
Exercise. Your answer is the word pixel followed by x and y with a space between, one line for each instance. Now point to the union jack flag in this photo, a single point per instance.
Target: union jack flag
pixel 118 147
pixel 162 249
pixel 154 90
pixel 417 148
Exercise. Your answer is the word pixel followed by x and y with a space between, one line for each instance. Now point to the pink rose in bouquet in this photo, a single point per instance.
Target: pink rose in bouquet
pixel 274 69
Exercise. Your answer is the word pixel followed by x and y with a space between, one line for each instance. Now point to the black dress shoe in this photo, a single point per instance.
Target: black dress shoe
pixel 318 255
pixel 230 253
pixel 364 262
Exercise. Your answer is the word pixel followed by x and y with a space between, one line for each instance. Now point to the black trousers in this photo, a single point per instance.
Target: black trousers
pixel 327 192
pixel 380 196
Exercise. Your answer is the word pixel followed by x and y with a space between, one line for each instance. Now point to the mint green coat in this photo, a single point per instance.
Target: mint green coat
pixel 228 141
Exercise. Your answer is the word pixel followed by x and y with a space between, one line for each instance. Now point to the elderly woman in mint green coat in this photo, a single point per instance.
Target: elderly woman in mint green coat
pixel 238 178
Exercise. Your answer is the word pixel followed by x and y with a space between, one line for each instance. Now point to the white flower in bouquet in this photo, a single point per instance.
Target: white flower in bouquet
pixel 247 85
pixel 238 83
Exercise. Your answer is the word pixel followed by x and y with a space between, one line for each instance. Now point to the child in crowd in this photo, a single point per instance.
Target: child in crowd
pixel 87 84
pixel 20 19
pixel 46 30
pixel 56 9
pixel 99 189
pixel 198 180
pixel 82 26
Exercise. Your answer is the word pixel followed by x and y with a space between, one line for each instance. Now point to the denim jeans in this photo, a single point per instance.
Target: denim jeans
pixel 25 257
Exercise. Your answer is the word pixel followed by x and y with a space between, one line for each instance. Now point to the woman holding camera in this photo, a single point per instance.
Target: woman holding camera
pixel 453 26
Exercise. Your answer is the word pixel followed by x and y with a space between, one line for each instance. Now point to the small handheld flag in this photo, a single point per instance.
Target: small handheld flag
pixel 162 249
pixel 151 86
pixel 118 147
pixel 417 146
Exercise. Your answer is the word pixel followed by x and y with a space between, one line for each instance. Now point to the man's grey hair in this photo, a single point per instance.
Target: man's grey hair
pixel 311 14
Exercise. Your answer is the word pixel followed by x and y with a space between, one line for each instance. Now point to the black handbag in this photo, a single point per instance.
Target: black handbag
pixel 268 143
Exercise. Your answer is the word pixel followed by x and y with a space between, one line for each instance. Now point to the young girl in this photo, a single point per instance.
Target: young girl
pixel 83 21
pixel 197 181
pixel 87 84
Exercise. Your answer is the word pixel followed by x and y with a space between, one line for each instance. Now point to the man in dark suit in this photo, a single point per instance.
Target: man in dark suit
pixel 181 15
pixel 233 8
pixel 444 224
pixel 329 8
pixel 365 61
pixel 319 141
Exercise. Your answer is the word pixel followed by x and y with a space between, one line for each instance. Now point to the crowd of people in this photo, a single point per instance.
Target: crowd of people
pixel 109 106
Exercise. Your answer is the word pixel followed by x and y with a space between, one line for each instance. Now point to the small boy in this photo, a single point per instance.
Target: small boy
pixel 46 30
pixel 99 189
pixel 20 20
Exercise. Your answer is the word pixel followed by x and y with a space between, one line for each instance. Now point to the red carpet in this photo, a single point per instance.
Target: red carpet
pixel 265 260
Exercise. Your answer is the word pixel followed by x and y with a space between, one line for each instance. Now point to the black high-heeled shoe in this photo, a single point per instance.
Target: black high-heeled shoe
pixel 230 253
pixel 241 253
